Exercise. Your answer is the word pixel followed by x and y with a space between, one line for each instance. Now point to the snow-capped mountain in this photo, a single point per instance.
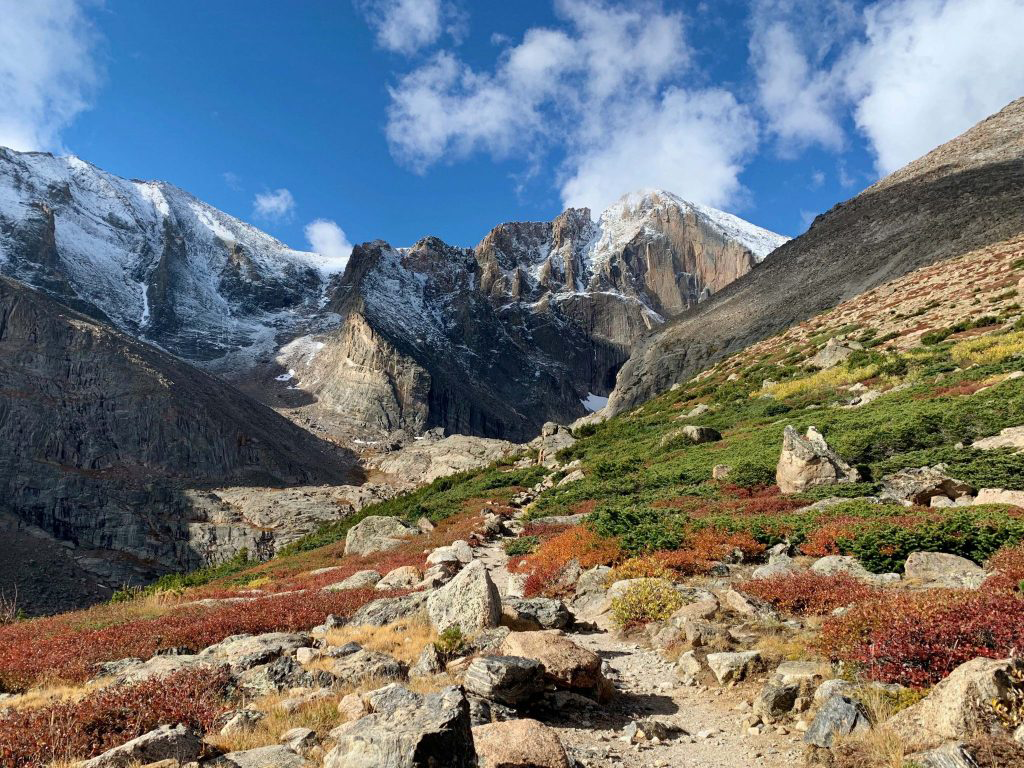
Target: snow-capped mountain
pixel 530 325
pixel 150 258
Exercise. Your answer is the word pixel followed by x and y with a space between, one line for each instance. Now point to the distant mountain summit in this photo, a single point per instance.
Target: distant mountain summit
pixel 529 326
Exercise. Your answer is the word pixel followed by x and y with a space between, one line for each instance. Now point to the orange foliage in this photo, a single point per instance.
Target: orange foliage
pixel 578 543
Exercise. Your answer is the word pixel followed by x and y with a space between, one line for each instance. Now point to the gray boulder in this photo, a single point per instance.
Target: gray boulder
pixel 406 577
pixel 839 716
pixel 779 564
pixel 388 610
pixel 952 754
pixel 922 484
pixel 377 533
pixel 690 435
pixel 940 569
pixel 358 580
pixel 831 565
pixel 429 732
pixel 806 462
pixel 728 667
pixel 300 740
pixel 366 665
pixel 428 664
pixel 263 757
pixel 776 699
pixel 833 353
pixel 510 680
pixel 164 743
pixel 470 602
pixel 535 613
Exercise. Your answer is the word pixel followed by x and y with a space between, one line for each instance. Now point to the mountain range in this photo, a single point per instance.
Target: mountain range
pixel 153 348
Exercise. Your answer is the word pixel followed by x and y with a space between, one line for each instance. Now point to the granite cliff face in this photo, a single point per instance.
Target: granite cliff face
pixel 530 326
pixel 105 438
pixel 964 195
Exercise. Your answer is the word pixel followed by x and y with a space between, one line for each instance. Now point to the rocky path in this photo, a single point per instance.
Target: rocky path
pixel 712 736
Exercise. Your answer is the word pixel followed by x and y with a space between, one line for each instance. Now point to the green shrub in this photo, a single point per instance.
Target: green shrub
pixel 639 529
pixel 646 601
pixel 524 545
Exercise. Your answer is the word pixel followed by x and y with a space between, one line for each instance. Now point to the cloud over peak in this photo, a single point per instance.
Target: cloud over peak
pixel 276 205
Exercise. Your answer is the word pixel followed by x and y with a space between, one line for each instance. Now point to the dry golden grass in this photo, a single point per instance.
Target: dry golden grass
pixel 820 382
pixel 993 348
pixel 45 695
pixel 405 640
pixel 320 715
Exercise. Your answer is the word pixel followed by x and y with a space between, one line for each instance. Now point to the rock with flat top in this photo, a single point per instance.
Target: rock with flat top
pixel 263 757
pixel 388 610
pixel 377 533
pixel 1000 496
pixel 520 614
pixel 728 667
pixel 519 744
pixel 163 743
pixel 1011 437
pixel 566 664
pixel 510 680
pixel 920 485
pixel 358 580
pixel 808 461
pixel 406 577
pixel 426 732
pixel 952 754
pixel 830 565
pixel 942 570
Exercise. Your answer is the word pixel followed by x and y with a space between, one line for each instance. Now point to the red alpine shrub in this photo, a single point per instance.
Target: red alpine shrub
pixel 918 638
pixel 708 546
pixel 578 543
pixel 810 593
pixel 1007 567
pixel 33 738
pixel 29 654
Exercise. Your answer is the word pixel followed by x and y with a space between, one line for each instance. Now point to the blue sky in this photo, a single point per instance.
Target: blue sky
pixel 396 119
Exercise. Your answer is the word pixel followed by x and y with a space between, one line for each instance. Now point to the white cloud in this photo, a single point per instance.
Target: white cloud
pixel 690 143
pixel 917 73
pixel 47 70
pixel 406 26
pixel 232 180
pixel 789 43
pixel 930 69
pixel 328 240
pixel 276 205
pixel 603 88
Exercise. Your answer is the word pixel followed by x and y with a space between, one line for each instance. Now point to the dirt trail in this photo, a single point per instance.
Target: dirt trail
pixel 647 686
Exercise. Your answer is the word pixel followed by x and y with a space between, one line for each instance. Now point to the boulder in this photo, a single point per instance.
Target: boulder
pixel 1011 437
pixel 299 740
pixel 263 757
pixel 940 569
pixel 697 411
pixel 952 754
pixel 163 743
pixel 699 610
pixel 364 665
pixel 470 602
pixel 566 664
pixel 510 680
pixel 457 552
pixel 519 744
pixel 800 672
pixel 833 353
pixel 831 565
pixel 388 610
pixel 1000 496
pixel 922 484
pixel 592 580
pixel 573 477
pixel 552 439
pixel 776 699
pixel 429 663
pixel 521 614
pixel 280 675
pixel 244 652
pixel 430 732
pixel 406 577
pixel 720 471
pixel 728 667
pixel 778 565
pixel 377 533
pixel 806 462
pixel 748 605
pixel 690 435
pixel 358 580
pixel 649 728
pixel 239 721
pixel 839 716
pixel 962 703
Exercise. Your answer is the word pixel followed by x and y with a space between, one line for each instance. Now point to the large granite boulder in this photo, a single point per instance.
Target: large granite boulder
pixel 388 610
pixel 426 732
pixel 920 485
pixel 377 533
pixel 358 580
pixel 962 704
pixel 535 613
pixel 470 602
pixel 519 744
pixel 806 462
pixel 941 569
pixel 164 743
pixel 566 664
pixel 510 680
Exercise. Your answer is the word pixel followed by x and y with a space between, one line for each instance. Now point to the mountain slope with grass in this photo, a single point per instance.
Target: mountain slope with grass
pixel 964 195
pixel 699 574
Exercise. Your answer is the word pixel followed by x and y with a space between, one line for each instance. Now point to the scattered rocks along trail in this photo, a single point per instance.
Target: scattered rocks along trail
pixel 647 686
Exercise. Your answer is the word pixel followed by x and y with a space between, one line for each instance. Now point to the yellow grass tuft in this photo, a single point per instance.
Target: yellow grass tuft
pixel 405 640
pixel 822 381
pixel 993 348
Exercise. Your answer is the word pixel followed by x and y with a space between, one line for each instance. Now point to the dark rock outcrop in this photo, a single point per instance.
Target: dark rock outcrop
pixel 104 439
